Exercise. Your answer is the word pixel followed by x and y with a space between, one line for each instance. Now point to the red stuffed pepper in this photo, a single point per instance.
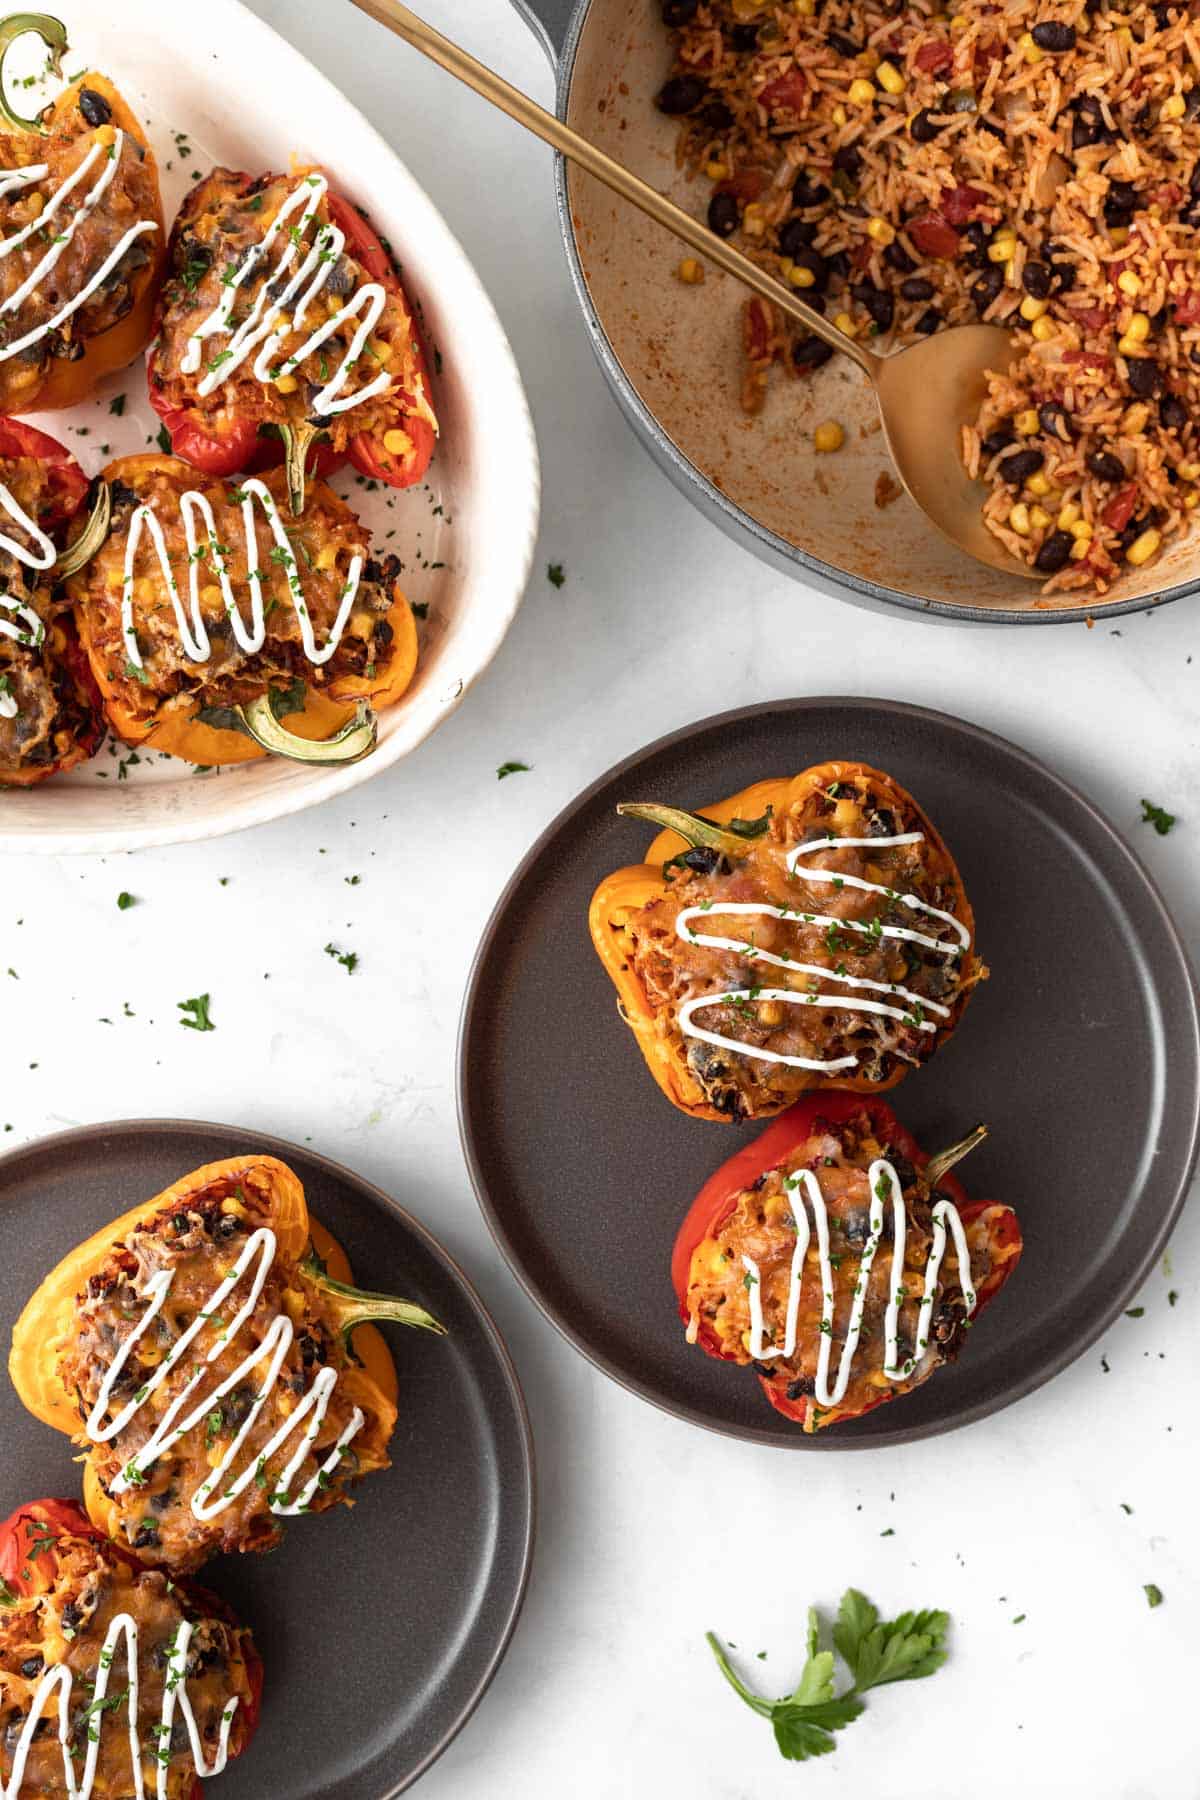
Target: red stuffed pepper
pixel 97 1652
pixel 283 327
pixel 50 712
pixel 839 1259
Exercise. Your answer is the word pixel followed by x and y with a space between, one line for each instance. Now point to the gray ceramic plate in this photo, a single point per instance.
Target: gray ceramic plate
pixel 1081 1053
pixel 380 1626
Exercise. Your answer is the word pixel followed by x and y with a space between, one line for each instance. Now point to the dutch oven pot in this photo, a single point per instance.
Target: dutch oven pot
pixel 671 356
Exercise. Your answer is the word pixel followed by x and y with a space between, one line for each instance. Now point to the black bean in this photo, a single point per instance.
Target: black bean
pixel 1172 412
pixel 984 291
pixel 1036 280
pixel 680 95
pixel 1054 421
pixel 1088 126
pixel 744 37
pixel 916 288
pixel 796 236
pixel 69 349
pixel 72 1617
pixel 845 46
pixel 723 214
pixel 147 1535
pixel 128 497
pixel 94 107
pixel 925 127
pixel 810 353
pixel 1121 203
pixel 1054 553
pixel 717 115
pixel 1017 468
pixel 803 1384
pixel 1105 466
pixel 1192 106
pixel 227 1226
pixel 992 129
pixel 679 12
pixel 897 257
pixel 1063 277
pixel 839 264
pixel 1054 35
pixel 998 440
pixel 703 859
pixel 848 161
pixel 1145 376
pixel 808 193
pixel 33 1666
pixel 906 1175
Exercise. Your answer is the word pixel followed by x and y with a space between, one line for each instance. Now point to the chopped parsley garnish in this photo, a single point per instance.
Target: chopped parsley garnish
pixel 125 901
pixel 116 405
pixel 163 440
pixel 347 958
pixel 195 1011
pixel 512 768
pixel 1157 816
pixel 1154 1594
pixel 555 574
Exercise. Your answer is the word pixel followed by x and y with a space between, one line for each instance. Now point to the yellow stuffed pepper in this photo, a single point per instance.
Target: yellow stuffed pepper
pixel 811 932
pixel 208 1354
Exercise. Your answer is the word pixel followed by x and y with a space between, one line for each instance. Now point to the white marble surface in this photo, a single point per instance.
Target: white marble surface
pixel 651 1532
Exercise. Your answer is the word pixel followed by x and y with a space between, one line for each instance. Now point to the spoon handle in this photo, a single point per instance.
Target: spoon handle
pixel 622 181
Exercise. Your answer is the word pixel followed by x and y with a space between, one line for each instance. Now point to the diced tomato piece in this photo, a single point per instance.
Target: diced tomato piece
pixel 933 236
pixel 1087 359
pixel 746 185
pixel 1187 308
pixel 934 56
pixel 958 203
pixel 1092 318
pixel 1120 508
pixel 1167 194
pixel 784 94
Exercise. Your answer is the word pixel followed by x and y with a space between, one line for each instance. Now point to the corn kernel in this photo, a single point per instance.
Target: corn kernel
pixel 881 231
pixel 1033 309
pixel 1143 548
pixel 690 271
pixel 889 77
pixel 829 436
pixel 1119 235
pixel 839 115
pixel 1038 484
pixel 1018 518
pixel 959 22
pixel 1002 246
pixel 753 220
pixel 1135 419
pixel 327 556
pixel 869 58
pixel 1068 515
pixel 1138 328
pixel 716 171
pixel 1191 499
pixel 397 443
pixel 287 384
pixel 1042 330
pixel 293 1304
pixel 861 93
pixel 106 134
pixel 1174 108
pixel 1188 471
pixel 804 8
pixel 1129 284
pixel 1128 346
pixel 214 1456
pixel 1028 48
pixel 845 323
pixel 1124 36
pixel 233 1208
pixel 1039 517
pixel 1079 549
pixel 35 204
pixel 771 1012
pixel 801 277
pixel 1027 421
pixel 1082 529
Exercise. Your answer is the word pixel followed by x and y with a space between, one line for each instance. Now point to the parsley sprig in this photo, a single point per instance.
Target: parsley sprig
pixel 876 1652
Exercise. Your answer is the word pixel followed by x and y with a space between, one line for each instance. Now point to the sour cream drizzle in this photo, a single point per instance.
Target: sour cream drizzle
pixel 883 1180
pixel 794 997
pixel 23 625
pixel 300 274
pixel 14 180
pixel 193 633
pixel 59 1676
pixel 272 1351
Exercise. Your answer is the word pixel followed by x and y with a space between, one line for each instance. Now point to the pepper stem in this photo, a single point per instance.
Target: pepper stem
pixel 53 34
pixel 700 832
pixel 356 739
pixel 90 538
pixel 354 1306
pixel 298 440
pixel 939 1165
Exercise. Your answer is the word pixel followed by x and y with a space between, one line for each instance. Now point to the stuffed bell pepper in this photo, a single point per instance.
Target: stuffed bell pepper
pixel 210 615
pixel 283 315
pixel 838 1260
pixel 114 1680
pixel 50 712
pixel 207 1353
pixel 805 933
pixel 82 247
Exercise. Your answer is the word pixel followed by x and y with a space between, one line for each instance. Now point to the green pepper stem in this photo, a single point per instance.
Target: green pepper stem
pixel 90 538
pixel 356 739
pixel 696 829
pixel 355 1306
pixel 939 1165
pixel 298 440
pixel 53 34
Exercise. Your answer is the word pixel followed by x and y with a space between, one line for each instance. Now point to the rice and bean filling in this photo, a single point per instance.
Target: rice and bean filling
pixel 762 1226
pixel 200 1244
pixel 672 971
pixel 68 1624
pixel 1035 165
pixel 52 712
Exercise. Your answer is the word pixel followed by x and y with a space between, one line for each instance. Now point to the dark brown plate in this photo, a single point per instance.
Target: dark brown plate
pixel 1081 1053
pixel 380 1625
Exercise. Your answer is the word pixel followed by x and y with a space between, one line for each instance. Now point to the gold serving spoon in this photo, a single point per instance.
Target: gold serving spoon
pixel 926 393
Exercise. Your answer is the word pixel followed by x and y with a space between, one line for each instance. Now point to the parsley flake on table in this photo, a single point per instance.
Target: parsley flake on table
pixel 347 958
pixel 198 1009
pixel 125 901
pixel 556 575
pixel 804 1721
pixel 164 440
pixel 1157 816
pixel 511 768
pixel 1154 1595
pixel 117 405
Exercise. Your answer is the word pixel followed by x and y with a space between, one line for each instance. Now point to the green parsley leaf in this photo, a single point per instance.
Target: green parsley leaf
pixel 1154 1595
pixel 1157 816
pixel 117 405
pixel 164 440
pixel 8 1595
pixel 555 574
pixel 511 768
pixel 347 958
pixel 198 1008
pixel 125 901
